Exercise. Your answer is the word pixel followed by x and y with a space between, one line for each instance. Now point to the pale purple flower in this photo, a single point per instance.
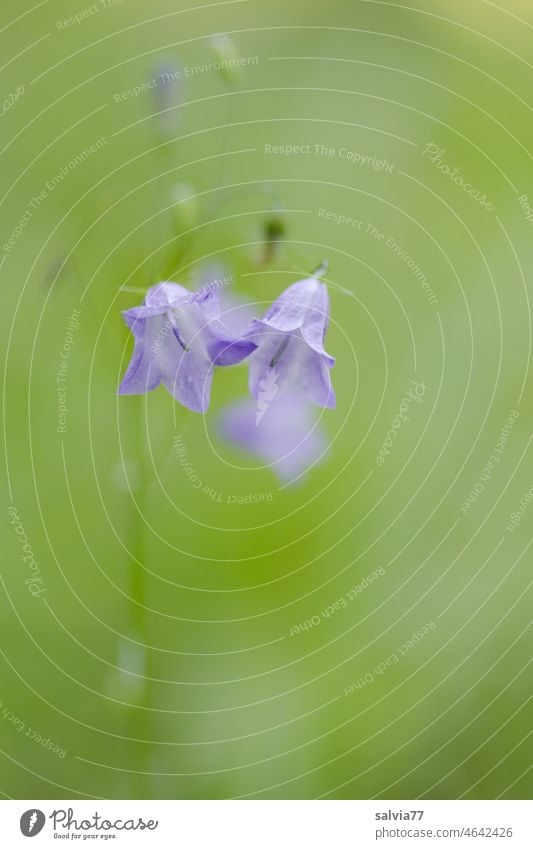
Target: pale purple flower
pixel 167 94
pixel 290 345
pixel 179 338
pixel 287 438
pixel 235 310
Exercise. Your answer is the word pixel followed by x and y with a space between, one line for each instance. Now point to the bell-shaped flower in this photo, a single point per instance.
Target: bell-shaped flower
pixel 290 351
pixel 179 337
pixel 286 436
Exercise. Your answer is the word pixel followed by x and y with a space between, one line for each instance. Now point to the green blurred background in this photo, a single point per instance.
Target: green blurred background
pixel 160 659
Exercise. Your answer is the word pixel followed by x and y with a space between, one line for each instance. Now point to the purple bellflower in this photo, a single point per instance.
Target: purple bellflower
pixel 290 351
pixel 179 337
pixel 287 436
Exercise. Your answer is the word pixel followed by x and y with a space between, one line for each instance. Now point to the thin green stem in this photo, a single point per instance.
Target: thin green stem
pixel 138 612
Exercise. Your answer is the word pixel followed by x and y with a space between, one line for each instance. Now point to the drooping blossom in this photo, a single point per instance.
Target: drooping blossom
pixel 179 338
pixel 290 351
pixel 286 438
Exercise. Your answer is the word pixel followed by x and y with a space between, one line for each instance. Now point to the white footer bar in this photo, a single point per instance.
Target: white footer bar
pixel 267 824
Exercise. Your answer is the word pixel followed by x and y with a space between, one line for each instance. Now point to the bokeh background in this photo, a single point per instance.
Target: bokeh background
pixel 161 657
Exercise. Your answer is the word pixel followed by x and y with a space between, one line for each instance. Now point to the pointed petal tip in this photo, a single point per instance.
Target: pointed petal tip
pixel 126 389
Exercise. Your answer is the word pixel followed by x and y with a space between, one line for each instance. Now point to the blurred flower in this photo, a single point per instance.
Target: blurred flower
pixel 236 311
pixel 167 94
pixel 287 437
pixel 179 337
pixel 290 339
pixel 212 276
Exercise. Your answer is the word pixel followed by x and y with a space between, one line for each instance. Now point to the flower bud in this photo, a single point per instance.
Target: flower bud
pixel 273 233
pixel 274 229
pixel 226 57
